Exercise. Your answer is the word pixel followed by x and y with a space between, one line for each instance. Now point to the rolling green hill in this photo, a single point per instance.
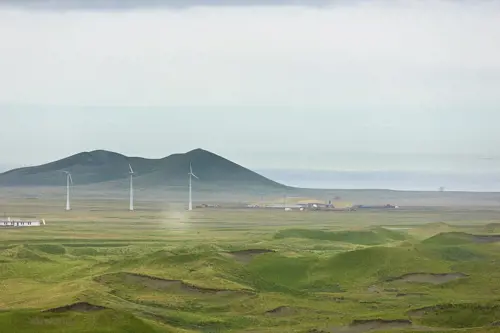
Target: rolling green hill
pixel 101 167
pixel 363 237
pixel 241 272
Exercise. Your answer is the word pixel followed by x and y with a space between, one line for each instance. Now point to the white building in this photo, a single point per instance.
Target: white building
pixel 20 223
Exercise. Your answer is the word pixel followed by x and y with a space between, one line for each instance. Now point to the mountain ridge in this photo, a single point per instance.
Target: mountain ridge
pixel 102 166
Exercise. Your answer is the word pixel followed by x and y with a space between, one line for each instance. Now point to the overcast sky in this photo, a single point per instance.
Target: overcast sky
pixel 334 85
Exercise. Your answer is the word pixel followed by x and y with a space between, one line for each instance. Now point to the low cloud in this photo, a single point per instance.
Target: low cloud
pixel 134 4
pixel 391 76
pixel 371 54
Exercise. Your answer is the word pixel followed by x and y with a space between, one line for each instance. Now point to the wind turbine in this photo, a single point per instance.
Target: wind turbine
pixel 131 208
pixel 191 174
pixel 68 181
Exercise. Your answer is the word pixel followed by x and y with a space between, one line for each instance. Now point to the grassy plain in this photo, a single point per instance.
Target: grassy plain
pixel 100 268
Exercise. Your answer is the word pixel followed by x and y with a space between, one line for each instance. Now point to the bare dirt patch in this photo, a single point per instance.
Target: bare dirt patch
pixel 428 309
pixel 391 290
pixel 156 283
pixel 282 311
pixel 373 289
pixel 336 299
pixel 247 255
pixel 379 324
pixel 410 294
pixel 432 278
pixel 78 307
pixel 378 290
pixel 486 238
pixel 360 326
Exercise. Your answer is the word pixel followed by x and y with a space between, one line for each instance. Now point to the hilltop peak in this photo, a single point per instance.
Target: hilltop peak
pixel 103 152
pixel 203 156
pixel 198 151
pixel 95 153
pixel 96 156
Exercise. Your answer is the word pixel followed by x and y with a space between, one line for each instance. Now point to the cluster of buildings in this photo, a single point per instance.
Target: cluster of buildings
pixel 307 204
pixel 13 223
pixel 313 204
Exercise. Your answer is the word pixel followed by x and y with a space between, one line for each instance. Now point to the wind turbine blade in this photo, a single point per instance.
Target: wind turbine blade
pixel 130 167
pixel 70 178
pixel 192 174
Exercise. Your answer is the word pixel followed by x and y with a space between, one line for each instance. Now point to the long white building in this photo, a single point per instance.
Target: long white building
pixel 13 223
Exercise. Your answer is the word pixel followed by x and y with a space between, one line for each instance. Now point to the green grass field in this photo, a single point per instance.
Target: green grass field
pixel 102 269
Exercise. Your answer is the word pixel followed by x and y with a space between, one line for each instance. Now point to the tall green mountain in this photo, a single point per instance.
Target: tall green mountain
pixel 102 167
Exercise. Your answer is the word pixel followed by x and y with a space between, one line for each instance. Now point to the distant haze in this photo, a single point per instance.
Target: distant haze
pixel 407 86
pixel 5 167
pixel 134 4
pixel 402 180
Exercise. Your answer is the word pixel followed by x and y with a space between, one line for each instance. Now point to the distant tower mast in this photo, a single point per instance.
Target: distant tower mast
pixel 191 174
pixel 131 205
pixel 68 181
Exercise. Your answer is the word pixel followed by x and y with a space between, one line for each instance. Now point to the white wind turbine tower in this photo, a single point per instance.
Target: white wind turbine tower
pixel 191 174
pixel 131 208
pixel 68 181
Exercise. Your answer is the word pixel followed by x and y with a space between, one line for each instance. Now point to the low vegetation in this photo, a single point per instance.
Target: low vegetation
pixel 375 236
pixel 146 275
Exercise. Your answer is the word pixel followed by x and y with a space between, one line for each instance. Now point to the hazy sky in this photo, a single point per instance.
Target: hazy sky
pixel 280 85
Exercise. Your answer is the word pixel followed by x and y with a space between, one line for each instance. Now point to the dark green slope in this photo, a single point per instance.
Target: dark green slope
pixel 101 167
pixel 211 169
pixel 86 168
